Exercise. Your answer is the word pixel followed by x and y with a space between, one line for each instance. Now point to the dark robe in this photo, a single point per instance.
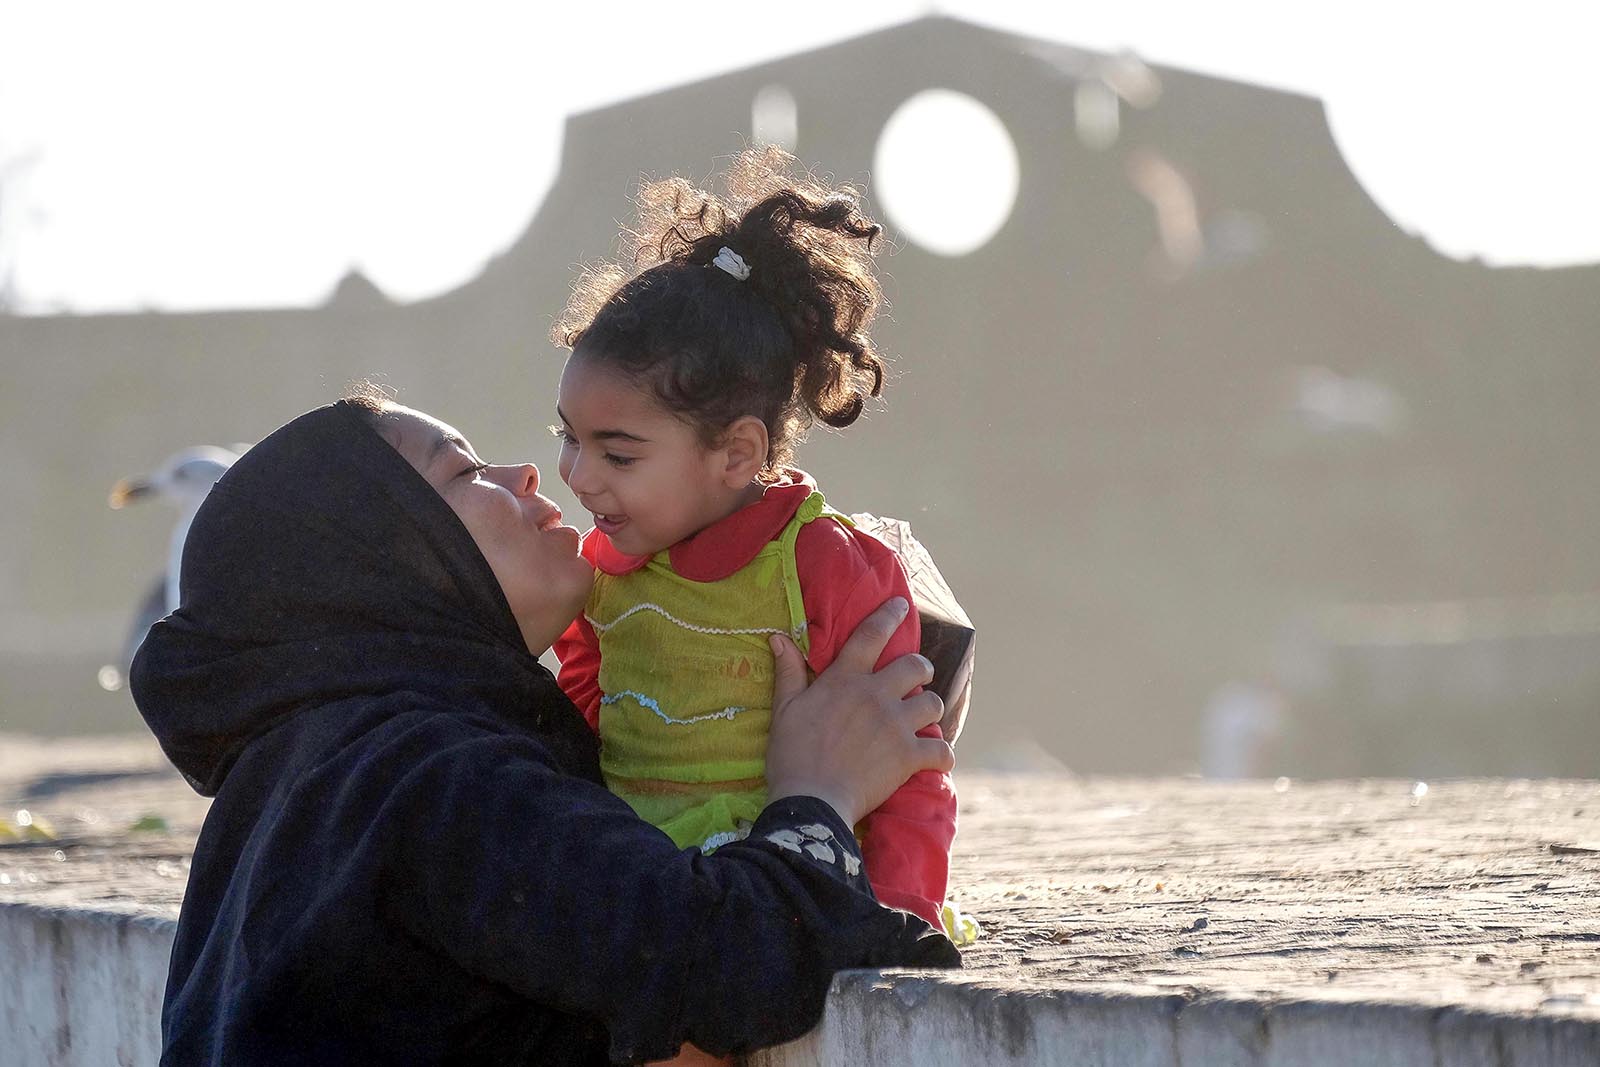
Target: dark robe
pixel 410 858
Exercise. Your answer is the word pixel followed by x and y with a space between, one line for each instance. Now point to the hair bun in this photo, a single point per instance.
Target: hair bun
pixel 802 248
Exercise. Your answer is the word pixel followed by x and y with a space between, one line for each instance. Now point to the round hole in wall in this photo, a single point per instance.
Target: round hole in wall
pixel 946 172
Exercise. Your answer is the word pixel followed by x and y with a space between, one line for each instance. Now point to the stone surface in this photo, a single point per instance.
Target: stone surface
pixel 1331 890
pixel 92 792
pixel 1124 920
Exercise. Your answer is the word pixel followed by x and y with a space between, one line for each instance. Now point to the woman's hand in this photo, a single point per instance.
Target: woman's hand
pixel 849 738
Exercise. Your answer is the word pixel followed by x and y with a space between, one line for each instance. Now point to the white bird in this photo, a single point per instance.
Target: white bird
pixel 182 481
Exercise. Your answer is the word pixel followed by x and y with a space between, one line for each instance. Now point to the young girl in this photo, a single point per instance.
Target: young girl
pixel 689 384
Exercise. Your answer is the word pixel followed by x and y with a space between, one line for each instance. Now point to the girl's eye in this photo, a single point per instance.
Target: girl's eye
pixel 619 461
pixel 562 432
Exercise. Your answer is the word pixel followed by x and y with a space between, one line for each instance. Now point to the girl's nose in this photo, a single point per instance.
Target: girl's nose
pixel 577 478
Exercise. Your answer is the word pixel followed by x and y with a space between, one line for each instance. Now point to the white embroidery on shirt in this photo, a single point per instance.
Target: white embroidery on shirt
pixel 785 839
pixel 809 840
pixel 602 627
pixel 821 852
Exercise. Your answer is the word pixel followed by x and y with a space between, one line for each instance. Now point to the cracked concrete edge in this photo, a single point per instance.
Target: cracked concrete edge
pixel 83 986
pixel 943 1020
pixel 86 988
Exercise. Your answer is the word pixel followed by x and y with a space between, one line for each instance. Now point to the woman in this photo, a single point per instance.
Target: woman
pixel 410 858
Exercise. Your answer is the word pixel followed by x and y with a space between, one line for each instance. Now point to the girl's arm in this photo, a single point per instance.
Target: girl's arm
pixel 578 651
pixel 844 575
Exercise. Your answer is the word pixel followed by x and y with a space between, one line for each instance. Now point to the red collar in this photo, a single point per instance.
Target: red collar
pixel 727 544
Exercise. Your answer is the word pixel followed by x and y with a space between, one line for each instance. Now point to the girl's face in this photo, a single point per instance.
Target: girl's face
pixel 519 532
pixel 641 471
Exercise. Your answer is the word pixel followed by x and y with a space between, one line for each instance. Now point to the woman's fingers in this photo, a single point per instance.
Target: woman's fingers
pixel 936 755
pixel 864 647
pixel 924 709
pixel 904 674
pixel 849 737
pixel 789 671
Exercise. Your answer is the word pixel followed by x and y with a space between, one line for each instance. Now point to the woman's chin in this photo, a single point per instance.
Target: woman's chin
pixel 566 533
pixel 557 608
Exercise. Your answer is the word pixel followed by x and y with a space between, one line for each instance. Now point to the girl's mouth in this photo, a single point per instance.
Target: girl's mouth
pixel 609 524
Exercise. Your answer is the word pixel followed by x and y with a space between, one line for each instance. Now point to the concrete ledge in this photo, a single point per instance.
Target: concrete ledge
pixel 82 987
pixel 1134 921
pixel 85 987
pixel 892 1019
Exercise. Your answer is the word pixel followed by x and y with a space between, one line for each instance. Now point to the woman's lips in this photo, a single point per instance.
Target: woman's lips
pixel 552 522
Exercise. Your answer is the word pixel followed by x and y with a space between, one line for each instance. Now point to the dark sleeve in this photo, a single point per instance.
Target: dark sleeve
pixel 551 886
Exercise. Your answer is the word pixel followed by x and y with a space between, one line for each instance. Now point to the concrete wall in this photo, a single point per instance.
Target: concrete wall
pixel 83 989
pixel 894 1020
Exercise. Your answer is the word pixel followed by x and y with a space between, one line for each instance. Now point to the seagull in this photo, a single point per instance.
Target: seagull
pixel 183 481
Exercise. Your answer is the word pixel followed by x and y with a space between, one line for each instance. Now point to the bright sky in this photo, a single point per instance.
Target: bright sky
pixel 184 155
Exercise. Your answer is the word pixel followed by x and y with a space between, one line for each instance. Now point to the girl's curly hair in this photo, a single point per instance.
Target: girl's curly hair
pixel 788 345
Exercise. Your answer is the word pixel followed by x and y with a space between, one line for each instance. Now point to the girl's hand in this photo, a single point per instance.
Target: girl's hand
pixel 850 737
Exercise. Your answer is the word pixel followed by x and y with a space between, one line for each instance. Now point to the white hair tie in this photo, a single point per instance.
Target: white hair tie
pixel 732 262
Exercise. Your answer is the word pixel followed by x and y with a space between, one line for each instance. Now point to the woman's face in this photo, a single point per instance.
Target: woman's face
pixel 518 531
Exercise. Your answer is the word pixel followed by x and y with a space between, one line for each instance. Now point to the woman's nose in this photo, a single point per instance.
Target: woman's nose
pixel 521 478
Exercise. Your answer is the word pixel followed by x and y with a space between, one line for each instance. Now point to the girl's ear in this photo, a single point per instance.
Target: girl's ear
pixel 744 443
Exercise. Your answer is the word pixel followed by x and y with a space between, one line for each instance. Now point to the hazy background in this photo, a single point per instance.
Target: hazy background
pixel 1243 390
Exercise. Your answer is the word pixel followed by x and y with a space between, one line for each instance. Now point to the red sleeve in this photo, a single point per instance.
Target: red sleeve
pixel 578 650
pixel 845 575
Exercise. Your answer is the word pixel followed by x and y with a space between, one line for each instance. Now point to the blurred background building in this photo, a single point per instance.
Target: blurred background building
pixel 1231 473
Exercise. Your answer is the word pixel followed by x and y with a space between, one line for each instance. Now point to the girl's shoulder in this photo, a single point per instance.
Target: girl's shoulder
pixel 844 574
pixel 833 548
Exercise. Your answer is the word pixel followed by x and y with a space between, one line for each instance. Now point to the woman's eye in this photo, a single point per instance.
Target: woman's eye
pixel 475 469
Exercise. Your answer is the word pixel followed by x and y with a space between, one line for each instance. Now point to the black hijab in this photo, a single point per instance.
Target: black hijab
pixel 321 568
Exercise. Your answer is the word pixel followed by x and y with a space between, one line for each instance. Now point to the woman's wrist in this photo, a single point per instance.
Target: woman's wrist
pixel 841 808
